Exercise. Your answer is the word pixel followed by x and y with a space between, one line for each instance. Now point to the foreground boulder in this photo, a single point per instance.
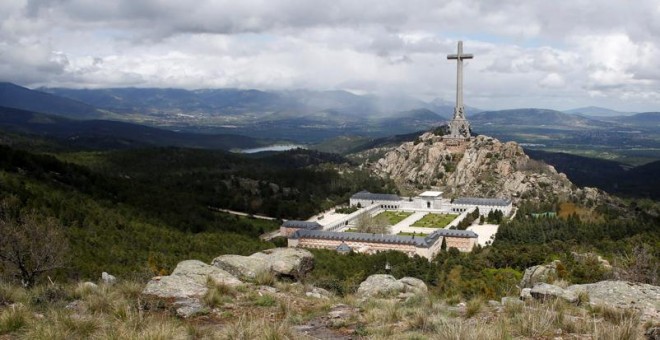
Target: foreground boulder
pixel 387 285
pixel 184 288
pixel 289 262
pixel 544 291
pixel 545 273
pixel 642 297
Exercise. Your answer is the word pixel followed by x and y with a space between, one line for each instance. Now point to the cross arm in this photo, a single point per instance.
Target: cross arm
pixel 462 56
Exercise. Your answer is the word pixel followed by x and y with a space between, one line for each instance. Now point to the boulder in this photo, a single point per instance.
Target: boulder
pixel 184 289
pixel 525 294
pixel 544 291
pixel 244 267
pixel 387 285
pixel 414 285
pixel 644 298
pixel 291 262
pixel 174 287
pixel 108 279
pixel 542 273
pixel 201 272
pixel 380 285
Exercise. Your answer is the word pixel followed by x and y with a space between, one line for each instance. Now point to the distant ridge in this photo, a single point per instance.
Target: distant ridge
pixel 104 134
pixel 18 97
pixel 597 111
pixel 535 117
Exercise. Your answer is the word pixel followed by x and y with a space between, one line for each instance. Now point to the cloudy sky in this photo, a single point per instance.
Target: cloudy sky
pixel 528 53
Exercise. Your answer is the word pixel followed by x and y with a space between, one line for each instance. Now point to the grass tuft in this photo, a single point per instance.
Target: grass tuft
pixel 13 319
pixel 473 307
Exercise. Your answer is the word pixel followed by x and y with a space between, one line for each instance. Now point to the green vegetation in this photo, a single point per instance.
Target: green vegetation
pixel 346 210
pixel 403 233
pixel 435 220
pixel 137 213
pixel 393 217
pixel 473 216
pixel 372 224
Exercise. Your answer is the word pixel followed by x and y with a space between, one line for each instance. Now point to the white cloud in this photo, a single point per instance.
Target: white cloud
pixel 527 53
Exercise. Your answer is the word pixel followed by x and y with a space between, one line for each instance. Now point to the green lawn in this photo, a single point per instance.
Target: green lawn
pixel 403 233
pixel 393 217
pixel 435 220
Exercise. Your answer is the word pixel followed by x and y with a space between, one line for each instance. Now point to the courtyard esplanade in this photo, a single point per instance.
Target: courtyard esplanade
pixel 365 198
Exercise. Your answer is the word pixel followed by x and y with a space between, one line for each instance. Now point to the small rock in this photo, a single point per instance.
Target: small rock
pixel 77 306
pixel 108 279
pixel 90 285
pixel 526 294
pixel 186 308
pixel 268 289
pixel 315 295
pixel 342 311
pixel 318 293
pixel 494 303
pixel 511 301
pixel 653 333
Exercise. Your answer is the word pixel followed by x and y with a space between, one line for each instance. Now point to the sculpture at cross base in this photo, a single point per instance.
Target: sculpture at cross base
pixel 459 127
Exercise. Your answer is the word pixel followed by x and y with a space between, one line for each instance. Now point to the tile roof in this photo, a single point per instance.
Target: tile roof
pixel 301 225
pixel 500 202
pixel 343 247
pixel 418 241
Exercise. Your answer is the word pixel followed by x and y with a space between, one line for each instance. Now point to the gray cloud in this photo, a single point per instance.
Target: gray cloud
pixel 526 53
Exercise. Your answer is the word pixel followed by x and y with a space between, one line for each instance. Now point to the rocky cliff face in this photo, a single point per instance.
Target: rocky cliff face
pixel 483 167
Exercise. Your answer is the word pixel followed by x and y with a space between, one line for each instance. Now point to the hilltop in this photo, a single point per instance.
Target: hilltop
pixel 485 167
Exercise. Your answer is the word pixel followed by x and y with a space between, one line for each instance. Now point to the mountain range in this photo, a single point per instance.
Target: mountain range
pixel 597 111
pixel 313 117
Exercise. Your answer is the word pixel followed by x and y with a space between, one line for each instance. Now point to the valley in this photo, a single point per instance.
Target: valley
pixel 140 201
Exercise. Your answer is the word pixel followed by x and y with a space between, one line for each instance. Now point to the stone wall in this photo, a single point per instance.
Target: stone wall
pixel 408 249
pixel 461 243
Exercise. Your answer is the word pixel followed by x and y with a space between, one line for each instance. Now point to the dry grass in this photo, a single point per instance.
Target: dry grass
pixel 116 312
pixel 473 307
pixel 265 278
pixel 13 319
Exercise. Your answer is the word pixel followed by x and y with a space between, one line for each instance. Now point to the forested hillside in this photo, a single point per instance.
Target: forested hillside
pixel 139 212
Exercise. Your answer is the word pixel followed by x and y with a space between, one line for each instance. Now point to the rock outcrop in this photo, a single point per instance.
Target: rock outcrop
pixel 546 273
pixel 623 294
pixel 184 288
pixel 291 262
pixel 544 291
pixel 483 167
pixel 387 285
pixel 641 297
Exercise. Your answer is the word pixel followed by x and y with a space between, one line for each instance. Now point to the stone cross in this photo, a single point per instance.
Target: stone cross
pixel 459 127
